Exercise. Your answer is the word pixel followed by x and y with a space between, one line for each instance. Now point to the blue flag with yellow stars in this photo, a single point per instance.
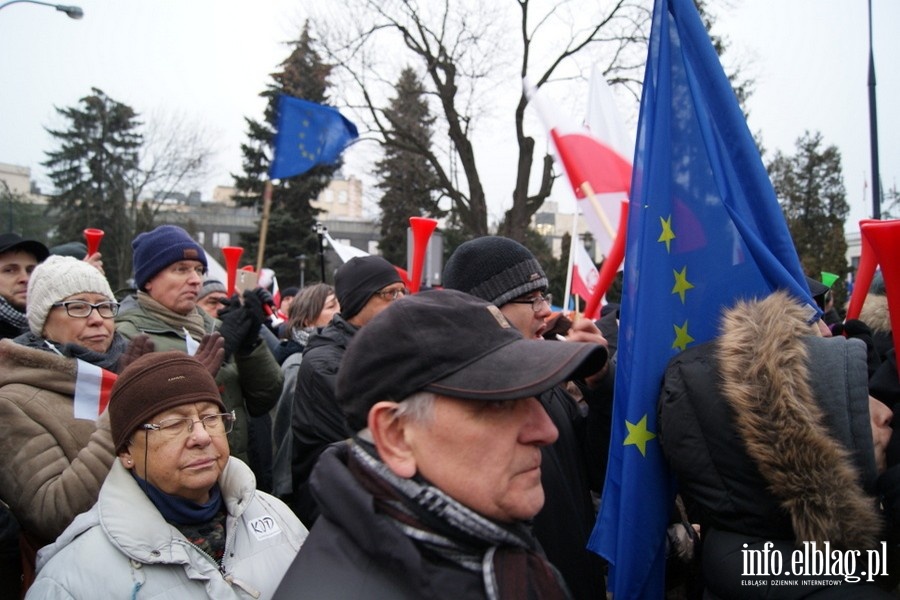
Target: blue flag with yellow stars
pixel 705 229
pixel 308 134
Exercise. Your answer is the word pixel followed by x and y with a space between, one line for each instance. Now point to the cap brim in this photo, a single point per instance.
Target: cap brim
pixel 522 369
pixel 816 288
pixel 36 249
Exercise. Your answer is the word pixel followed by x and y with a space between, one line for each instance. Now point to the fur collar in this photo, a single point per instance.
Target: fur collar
pixel 765 373
pixel 874 313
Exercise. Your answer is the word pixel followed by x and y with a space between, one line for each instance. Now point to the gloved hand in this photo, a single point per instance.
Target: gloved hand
pixel 211 352
pixel 241 322
pixel 137 347
pixel 257 300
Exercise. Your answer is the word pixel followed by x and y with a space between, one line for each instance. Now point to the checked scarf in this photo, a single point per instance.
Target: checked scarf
pixel 507 556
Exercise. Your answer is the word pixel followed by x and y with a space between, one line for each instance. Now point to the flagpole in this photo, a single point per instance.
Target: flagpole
pixel 595 204
pixel 264 225
pixel 572 241
pixel 873 128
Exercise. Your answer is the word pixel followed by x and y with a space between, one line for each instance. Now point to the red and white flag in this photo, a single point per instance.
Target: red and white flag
pixel 584 273
pixel 92 388
pixel 596 162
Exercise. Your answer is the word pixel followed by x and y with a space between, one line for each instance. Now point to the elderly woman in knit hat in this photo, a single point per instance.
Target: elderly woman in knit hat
pixel 177 516
pixel 55 443
pixel 169 269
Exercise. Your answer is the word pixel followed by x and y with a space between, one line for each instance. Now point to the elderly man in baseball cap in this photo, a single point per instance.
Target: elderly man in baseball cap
pixel 433 495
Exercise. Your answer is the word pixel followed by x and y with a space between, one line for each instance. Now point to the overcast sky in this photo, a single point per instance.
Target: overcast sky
pixel 209 59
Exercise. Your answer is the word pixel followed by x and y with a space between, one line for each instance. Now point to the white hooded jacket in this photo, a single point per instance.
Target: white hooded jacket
pixel 123 548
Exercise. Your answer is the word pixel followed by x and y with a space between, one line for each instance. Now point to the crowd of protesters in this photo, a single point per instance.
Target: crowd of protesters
pixel 380 444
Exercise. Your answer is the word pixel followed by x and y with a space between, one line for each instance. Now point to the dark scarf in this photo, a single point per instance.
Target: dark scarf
pixel 12 315
pixel 107 360
pixel 507 556
pixel 201 524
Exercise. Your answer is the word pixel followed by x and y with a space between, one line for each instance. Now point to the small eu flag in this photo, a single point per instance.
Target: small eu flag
pixel 308 134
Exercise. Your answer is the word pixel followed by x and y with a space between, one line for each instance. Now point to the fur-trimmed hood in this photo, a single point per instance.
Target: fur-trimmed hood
pixel 875 314
pixel 802 419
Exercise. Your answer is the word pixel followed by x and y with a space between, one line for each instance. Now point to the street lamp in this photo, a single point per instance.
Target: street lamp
pixel 73 12
pixel 302 259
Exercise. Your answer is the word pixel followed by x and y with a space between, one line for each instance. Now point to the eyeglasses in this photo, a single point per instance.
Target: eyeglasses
pixel 537 303
pixel 187 270
pixel 79 309
pixel 216 425
pixel 391 295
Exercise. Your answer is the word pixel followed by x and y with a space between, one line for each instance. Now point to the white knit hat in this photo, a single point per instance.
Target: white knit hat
pixel 56 279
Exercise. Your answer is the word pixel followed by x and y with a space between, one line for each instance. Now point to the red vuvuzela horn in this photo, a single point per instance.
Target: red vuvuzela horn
pixel 880 246
pixel 92 237
pixel 232 257
pixel 422 228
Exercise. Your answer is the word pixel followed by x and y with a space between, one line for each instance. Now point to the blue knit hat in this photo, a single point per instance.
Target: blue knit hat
pixel 155 250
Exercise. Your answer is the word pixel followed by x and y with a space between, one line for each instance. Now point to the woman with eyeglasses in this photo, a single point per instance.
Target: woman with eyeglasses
pixel 177 517
pixel 169 270
pixel 54 457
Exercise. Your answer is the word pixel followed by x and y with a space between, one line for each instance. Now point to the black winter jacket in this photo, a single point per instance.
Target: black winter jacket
pixel 316 419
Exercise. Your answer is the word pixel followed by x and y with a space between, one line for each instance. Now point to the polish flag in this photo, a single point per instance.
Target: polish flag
pixel 92 388
pixel 595 161
pixel 584 273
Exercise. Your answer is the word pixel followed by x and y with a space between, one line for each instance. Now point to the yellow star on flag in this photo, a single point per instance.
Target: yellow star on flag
pixel 638 435
pixel 682 339
pixel 681 283
pixel 667 234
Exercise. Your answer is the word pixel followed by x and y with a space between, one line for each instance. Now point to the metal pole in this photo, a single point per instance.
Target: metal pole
pixel 320 231
pixel 73 12
pixel 873 128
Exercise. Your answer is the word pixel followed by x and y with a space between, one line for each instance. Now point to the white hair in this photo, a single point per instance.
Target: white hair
pixel 418 407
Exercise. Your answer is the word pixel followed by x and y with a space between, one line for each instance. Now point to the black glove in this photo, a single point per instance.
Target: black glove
pixel 240 324
pixel 256 301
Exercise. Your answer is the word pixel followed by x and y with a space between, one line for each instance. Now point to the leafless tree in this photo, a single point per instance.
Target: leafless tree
pixel 176 157
pixel 472 56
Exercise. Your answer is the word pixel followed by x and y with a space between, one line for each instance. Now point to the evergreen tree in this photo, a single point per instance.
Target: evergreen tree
pixel 810 189
pixel 292 219
pixel 92 172
pixel 408 180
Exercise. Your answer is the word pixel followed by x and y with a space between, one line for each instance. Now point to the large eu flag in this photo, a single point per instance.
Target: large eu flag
pixel 308 134
pixel 705 230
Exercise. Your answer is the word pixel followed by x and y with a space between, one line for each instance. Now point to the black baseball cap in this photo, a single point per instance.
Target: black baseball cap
pixel 13 241
pixel 453 344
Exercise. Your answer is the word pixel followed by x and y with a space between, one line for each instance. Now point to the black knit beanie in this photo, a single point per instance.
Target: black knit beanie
pixel 358 279
pixel 496 269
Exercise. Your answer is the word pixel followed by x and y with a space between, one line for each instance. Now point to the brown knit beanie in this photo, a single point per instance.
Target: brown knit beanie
pixel 153 383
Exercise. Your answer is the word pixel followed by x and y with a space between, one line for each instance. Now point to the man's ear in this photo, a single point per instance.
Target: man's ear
pixel 390 436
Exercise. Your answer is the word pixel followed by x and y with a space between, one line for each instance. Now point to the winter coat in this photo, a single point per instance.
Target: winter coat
pixel 282 436
pixel 767 429
pixel 316 418
pixel 52 464
pixel 250 383
pixel 566 520
pixel 8 330
pixel 356 553
pixel 123 548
